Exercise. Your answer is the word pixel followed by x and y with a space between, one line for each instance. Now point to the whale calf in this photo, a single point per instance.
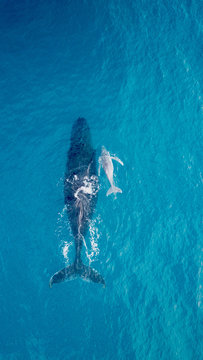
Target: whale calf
pixel 105 160
pixel 80 195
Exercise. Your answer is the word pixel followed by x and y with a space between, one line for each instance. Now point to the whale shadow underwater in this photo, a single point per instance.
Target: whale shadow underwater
pixel 80 194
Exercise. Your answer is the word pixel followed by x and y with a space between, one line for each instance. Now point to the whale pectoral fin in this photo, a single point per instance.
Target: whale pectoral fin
pixel 117 159
pixel 67 273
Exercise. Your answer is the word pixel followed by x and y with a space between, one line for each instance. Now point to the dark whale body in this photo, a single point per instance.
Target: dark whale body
pixel 80 194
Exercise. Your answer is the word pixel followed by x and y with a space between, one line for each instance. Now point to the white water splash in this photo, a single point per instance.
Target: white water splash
pixel 65 250
pixel 94 240
pixel 60 183
pixel 63 233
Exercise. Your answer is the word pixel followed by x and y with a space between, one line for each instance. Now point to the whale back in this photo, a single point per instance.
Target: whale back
pixel 80 174
pixel 81 152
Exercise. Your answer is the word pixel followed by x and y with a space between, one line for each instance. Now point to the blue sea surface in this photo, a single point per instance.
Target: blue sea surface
pixel 134 70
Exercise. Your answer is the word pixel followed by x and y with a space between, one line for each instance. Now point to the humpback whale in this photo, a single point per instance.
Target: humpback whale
pixel 105 160
pixel 80 195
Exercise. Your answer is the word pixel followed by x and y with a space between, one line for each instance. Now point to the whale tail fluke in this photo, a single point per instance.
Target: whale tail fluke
pixel 89 274
pixel 113 189
pixel 77 270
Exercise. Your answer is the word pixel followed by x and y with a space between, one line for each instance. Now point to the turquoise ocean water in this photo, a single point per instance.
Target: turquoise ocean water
pixel 133 69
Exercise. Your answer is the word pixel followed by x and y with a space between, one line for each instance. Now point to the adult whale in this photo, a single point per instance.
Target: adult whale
pixel 80 194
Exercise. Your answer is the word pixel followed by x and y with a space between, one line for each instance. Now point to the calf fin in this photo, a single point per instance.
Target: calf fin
pixel 117 159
